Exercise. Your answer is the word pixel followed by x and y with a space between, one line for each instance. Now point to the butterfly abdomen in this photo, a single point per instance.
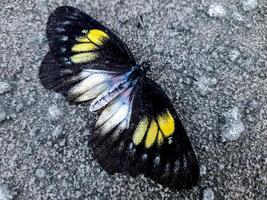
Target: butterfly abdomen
pixel 122 85
pixel 103 99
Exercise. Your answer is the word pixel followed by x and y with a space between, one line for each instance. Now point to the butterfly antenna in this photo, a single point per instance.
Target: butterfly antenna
pixel 158 75
pixel 189 76
pixel 141 23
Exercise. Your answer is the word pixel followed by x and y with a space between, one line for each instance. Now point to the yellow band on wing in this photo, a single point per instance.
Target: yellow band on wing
pixel 151 134
pixel 83 57
pixel 83 47
pixel 97 36
pixel 166 123
pixel 83 39
pixel 140 131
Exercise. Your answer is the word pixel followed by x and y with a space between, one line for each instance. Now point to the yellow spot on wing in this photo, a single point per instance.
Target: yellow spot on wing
pixel 140 131
pixel 83 57
pixel 97 36
pixel 151 134
pixel 83 39
pixel 166 123
pixel 160 138
pixel 83 47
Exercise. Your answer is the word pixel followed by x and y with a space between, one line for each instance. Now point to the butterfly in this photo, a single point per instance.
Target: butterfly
pixel 138 130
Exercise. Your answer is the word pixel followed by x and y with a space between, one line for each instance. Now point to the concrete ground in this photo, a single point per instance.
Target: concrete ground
pixel 44 152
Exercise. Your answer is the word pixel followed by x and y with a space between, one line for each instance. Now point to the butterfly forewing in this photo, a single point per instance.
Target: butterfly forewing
pixel 76 38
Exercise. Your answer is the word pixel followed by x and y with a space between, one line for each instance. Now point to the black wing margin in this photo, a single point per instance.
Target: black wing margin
pixel 155 143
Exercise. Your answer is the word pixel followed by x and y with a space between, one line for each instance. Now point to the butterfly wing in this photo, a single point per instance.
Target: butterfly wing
pixel 153 143
pixel 85 59
pixel 76 38
pixel 138 130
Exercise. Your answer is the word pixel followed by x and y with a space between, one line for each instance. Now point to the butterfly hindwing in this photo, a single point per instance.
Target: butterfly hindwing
pixel 109 137
pixel 164 149
pixel 154 143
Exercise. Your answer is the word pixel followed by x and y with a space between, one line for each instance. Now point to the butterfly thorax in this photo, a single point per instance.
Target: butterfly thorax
pixel 139 71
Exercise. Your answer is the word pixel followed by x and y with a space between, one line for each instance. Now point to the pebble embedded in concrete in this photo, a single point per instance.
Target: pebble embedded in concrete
pixel 249 5
pixel 40 173
pixel 217 10
pixel 208 194
pixel 5 193
pixel 5 87
pixel 205 84
pixel 203 170
pixel 237 16
pixel 54 112
pixel 57 131
pixel 2 114
pixel 234 126
pixel 234 54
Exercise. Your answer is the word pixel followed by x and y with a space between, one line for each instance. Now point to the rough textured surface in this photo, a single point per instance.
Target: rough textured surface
pixel 44 151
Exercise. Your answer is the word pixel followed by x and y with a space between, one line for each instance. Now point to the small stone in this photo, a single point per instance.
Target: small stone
pixel 216 10
pixel 54 112
pixel 2 116
pixel 5 193
pixel 237 16
pixel 62 143
pixel 249 5
pixel 158 48
pixel 40 173
pixel 58 130
pixel 203 170
pixel 49 143
pixel 208 194
pixel 221 166
pixel 205 84
pixel 234 54
pixel 5 87
pixel 233 127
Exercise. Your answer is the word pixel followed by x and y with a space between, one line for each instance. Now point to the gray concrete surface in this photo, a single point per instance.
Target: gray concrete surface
pixel 44 151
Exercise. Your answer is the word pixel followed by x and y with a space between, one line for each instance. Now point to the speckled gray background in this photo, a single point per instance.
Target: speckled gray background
pixel 44 151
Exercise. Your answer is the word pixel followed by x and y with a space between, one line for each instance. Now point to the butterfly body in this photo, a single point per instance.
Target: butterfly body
pixel 138 130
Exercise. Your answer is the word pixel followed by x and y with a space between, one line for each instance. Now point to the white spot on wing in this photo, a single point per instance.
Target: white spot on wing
pixel 121 127
pixel 88 83
pixel 118 117
pixel 92 92
pixel 108 111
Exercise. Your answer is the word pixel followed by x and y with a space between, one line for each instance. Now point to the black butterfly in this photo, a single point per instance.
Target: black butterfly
pixel 138 130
